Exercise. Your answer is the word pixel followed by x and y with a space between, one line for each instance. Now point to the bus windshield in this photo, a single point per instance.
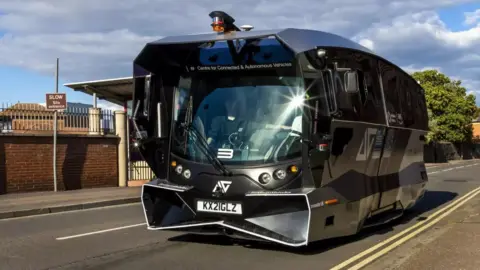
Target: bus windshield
pixel 250 119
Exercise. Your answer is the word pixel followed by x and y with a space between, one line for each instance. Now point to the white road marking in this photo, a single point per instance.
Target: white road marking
pixel 98 232
pixel 454 168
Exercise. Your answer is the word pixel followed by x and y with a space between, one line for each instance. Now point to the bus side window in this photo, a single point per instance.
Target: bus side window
pixel 390 79
pixel 349 106
pixel 343 101
pixel 346 102
pixel 407 107
pixel 370 93
pixel 359 99
pixel 147 97
pixel 318 105
pixel 330 91
pixel 420 109
pixel 363 87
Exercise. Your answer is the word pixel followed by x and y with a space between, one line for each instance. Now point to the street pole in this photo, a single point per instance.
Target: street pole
pixel 55 135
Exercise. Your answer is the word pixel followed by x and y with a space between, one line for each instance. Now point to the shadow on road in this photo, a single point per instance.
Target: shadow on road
pixel 431 201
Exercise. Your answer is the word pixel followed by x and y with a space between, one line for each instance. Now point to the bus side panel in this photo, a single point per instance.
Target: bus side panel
pixel 357 140
pixel 402 170
pixel 352 173
pixel 393 161
pixel 412 174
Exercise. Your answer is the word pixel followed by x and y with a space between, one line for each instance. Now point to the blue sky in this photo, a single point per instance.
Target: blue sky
pixel 23 85
pixel 454 17
pixel 34 32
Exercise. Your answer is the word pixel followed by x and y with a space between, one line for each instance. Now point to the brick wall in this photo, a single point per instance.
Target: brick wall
pixel 26 162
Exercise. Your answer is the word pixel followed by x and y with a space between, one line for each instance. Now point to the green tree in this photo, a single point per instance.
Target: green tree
pixel 432 124
pixel 451 110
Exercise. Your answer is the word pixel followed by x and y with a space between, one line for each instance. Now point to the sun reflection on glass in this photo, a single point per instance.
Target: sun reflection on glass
pixel 297 101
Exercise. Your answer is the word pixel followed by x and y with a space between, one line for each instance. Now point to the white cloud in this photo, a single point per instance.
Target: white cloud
pixel 416 68
pixel 472 17
pixel 367 43
pixel 83 56
pixel 420 41
pixel 99 39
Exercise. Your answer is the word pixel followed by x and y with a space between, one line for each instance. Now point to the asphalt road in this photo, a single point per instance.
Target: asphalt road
pixel 33 242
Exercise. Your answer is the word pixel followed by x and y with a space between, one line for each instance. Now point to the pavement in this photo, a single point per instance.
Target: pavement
pixel 453 243
pixel 116 237
pixel 37 203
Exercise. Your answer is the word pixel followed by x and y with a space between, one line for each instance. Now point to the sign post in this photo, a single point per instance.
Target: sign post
pixel 55 102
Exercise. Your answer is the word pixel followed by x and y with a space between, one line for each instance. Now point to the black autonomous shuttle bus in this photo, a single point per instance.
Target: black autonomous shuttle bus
pixel 288 136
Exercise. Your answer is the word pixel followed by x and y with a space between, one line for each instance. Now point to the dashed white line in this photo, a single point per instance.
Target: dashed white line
pixel 102 231
pixel 454 168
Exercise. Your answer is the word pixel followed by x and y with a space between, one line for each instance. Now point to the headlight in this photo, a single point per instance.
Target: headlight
pixel 179 169
pixel 280 174
pixel 265 178
pixel 187 173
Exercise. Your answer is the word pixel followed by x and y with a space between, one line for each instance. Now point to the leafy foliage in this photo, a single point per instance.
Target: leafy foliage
pixel 451 110
pixel 433 125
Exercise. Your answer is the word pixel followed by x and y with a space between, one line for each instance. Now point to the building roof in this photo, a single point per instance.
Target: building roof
pixel 116 90
pixel 26 107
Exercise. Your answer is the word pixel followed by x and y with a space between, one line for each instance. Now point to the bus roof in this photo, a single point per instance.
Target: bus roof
pixel 298 40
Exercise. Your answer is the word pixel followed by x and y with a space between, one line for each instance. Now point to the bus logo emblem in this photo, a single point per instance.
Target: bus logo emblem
pixel 222 186
pixel 367 144
pixel 225 153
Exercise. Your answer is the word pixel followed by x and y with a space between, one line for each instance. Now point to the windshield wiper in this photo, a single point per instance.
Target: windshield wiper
pixel 203 145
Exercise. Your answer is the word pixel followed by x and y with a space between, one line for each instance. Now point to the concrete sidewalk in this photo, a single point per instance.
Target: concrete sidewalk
pixel 37 203
pixel 458 247
pixel 452 243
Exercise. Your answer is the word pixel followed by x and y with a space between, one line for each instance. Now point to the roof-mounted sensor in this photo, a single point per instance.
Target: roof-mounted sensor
pixel 222 22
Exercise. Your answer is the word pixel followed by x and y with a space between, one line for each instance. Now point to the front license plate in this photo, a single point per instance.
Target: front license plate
pixel 219 207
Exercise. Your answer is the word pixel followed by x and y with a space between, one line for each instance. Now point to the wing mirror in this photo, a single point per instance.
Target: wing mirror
pixel 351 82
pixel 147 92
